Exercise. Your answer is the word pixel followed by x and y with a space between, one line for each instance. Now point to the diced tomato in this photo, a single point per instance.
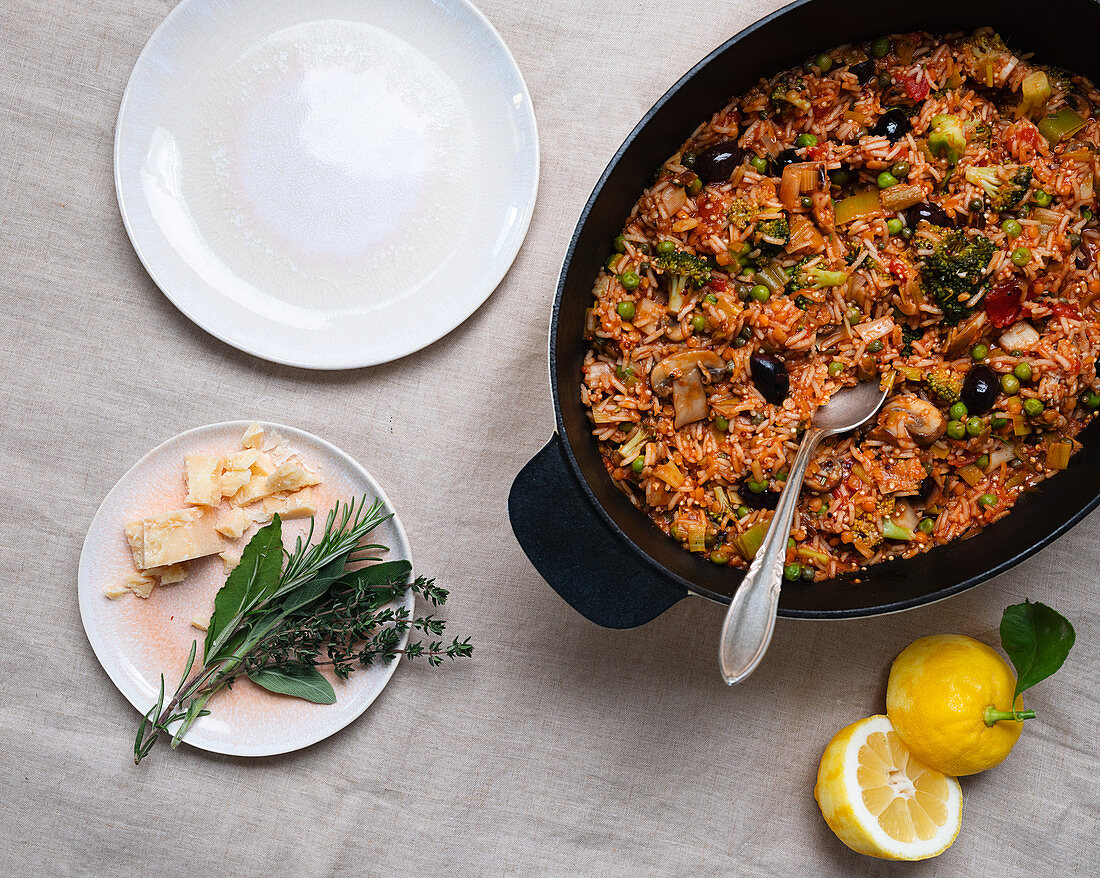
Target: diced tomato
pixel 1064 309
pixel 898 269
pixel 712 214
pixel 1002 304
pixel 718 283
pixel 915 85
pixel 1035 289
pixel 814 153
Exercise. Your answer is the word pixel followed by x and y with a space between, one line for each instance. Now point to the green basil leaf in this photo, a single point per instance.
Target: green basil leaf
pixel 299 681
pixel 1037 639
pixel 256 576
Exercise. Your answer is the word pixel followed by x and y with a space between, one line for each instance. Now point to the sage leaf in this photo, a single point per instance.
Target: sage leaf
pixel 255 577
pixel 299 681
pixel 1037 640
pixel 308 592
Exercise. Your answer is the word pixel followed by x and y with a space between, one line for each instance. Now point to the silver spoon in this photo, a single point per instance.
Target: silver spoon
pixel 750 620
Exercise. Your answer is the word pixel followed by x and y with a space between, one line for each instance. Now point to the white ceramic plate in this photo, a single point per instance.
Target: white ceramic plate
pixel 137 640
pixel 328 184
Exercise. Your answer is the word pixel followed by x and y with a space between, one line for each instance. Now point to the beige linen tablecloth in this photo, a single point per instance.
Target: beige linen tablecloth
pixel 561 748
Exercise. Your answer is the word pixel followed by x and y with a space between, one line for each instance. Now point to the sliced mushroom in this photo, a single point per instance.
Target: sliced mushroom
pixel 823 474
pixel 682 375
pixel 910 418
pixel 962 337
pixel 905 515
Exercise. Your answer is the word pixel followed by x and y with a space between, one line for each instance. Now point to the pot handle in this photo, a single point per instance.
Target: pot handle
pixel 576 552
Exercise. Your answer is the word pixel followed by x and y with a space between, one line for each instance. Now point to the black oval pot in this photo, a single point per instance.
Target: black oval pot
pixel 598 551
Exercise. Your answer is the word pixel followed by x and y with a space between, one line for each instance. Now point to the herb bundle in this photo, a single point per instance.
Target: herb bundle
pixel 276 623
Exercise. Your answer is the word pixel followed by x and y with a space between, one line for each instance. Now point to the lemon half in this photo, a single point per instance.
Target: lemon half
pixel 880 800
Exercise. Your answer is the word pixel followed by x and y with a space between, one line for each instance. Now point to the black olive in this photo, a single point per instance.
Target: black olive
pixel 770 377
pixel 863 71
pixel 716 163
pixel 926 490
pixel 980 389
pixel 787 157
pixel 933 213
pixel 894 124
pixel 766 499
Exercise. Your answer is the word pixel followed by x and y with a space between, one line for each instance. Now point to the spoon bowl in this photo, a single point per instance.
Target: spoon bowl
pixel 750 621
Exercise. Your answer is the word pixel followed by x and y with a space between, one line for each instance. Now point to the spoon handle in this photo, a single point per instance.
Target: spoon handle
pixel 750 620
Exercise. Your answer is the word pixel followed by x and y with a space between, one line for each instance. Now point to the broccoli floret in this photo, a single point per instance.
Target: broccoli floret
pixel 683 269
pixel 1005 186
pixel 983 56
pixel 740 213
pixel 776 232
pixel 947 137
pixel 815 277
pixel 952 275
pixel 945 384
pixel 908 336
pixel 790 90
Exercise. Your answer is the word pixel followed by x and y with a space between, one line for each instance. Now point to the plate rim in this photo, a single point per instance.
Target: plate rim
pixel 363 360
pixel 99 646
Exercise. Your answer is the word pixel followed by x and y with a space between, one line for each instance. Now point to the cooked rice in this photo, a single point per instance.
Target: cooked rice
pixel 694 480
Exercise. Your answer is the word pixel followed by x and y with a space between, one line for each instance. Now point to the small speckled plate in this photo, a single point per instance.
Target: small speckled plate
pixel 329 184
pixel 138 640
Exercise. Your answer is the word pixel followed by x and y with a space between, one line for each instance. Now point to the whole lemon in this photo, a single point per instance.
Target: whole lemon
pixel 941 692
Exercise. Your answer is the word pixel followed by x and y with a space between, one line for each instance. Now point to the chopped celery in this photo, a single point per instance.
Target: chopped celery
pixel 697 535
pixel 750 541
pixel 1058 454
pixel 859 206
pixel 773 277
pixel 1065 123
pixel 633 444
pixel 895 531
pixel 669 473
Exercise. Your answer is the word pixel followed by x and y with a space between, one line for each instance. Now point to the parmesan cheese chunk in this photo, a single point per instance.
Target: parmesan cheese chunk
pixel 233 522
pixel 253 437
pixel 230 558
pixel 141 584
pixel 179 536
pixel 255 490
pixel 203 473
pixel 137 545
pixel 291 476
pixel 297 505
pixel 115 591
pixel 169 575
pixel 241 460
pixel 201 624
pixel 233 480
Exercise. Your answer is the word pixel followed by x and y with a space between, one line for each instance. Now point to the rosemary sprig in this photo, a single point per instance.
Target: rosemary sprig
pixel 277 622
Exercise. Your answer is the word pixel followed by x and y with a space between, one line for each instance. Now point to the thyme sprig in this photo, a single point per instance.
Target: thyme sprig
pixel 277 622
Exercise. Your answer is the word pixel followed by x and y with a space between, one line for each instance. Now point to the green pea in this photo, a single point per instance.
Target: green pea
pixel 1033 407
pixel 719 557
pixel 1010 384
pixel 894 226
pixel 630 280
pixel 760 293
pixel 808 574
pixel 835 368
pixel 666 248
pixel 824 63
pixel 782 475
pixel 979 352
pixel 1023 211
pixel 982 462
pixel 791 543
pixel 1074 240
pixel 806 139
pixel 840 177
pixel 756 487
pixel 806 201
pixel 710 299
pixel 854 315
pixel 886 180
pixel 1091 400
pixel 975 205
pixel 998 421
pixel 620 243
pixel 880 47
pixel 746 332
pixel 956 429
pixel 688 159
pixel 958 411
pixel 698 323
pixel 1023 371
pixel 1021 256
pixel 721 423
pixel 906 233
pixel 792 571
pixel 759 164
pixel 1086 214
pixel 638 465
pixel 875 347
pixel 926 526
pixel 975 426
pixel 900 169
pixel 625 310
pixel 987 500
pixel 742 511
pixel 695 186
pixel 885 80
pixel 1043 199
pixel 1012 228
